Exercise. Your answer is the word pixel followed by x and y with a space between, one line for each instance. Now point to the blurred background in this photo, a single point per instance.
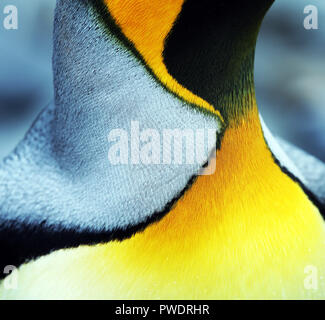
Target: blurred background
pixel 290 72
pixel 290 75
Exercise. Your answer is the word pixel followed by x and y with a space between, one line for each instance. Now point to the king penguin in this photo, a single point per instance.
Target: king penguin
pixel 79 227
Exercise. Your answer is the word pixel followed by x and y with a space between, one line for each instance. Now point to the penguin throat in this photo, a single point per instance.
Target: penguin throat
pixel 211 51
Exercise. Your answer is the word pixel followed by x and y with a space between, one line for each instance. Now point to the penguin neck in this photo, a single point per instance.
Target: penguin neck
pixel 231 90
pixel 201 51
pixel 211 51
pixel 210 64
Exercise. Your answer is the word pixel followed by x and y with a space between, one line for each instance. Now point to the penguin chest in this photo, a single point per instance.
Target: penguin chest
pixel 234 245
pixel 247 231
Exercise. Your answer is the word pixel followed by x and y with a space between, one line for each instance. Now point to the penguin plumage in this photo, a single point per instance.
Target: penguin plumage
pixel 79 227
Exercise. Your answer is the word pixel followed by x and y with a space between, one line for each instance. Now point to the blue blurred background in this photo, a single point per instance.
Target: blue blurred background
pixel 290 72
